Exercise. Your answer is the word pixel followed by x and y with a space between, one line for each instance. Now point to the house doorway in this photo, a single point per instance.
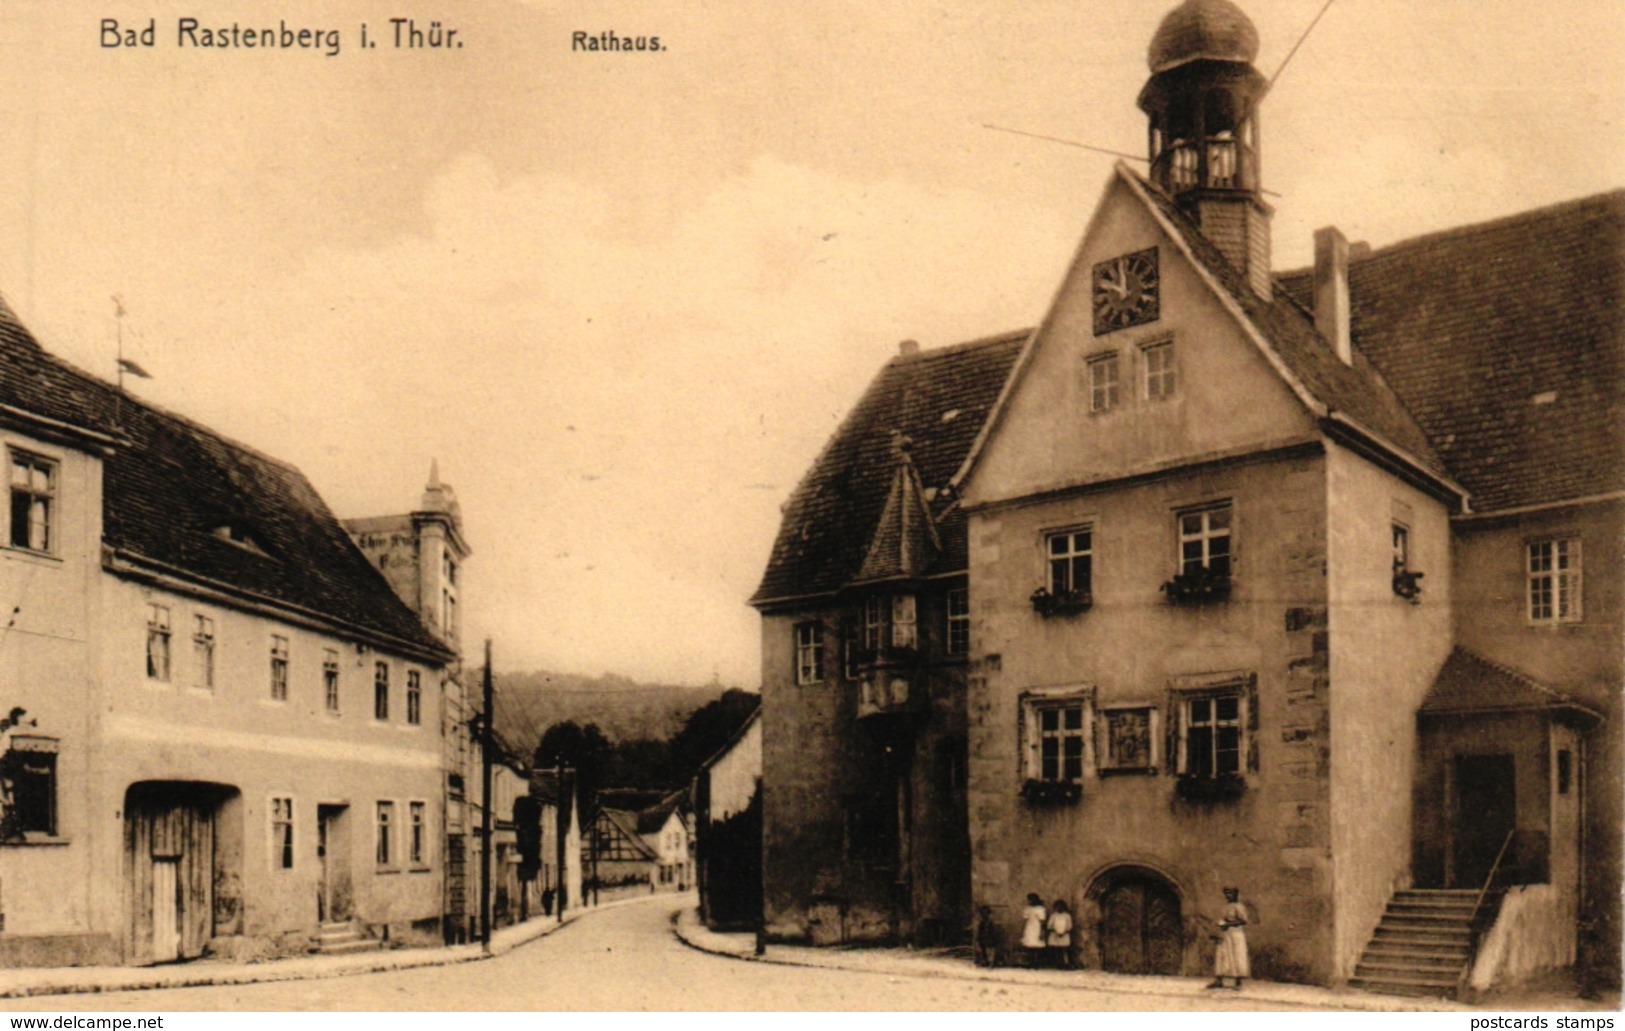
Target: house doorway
pixel 1486 812
pixel 334 896
pixel 1141 930
pixel 174 867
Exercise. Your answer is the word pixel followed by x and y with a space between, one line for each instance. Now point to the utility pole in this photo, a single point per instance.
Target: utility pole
pixel 487 746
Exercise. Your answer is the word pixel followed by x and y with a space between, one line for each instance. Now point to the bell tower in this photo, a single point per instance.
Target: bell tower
pixel 1202 100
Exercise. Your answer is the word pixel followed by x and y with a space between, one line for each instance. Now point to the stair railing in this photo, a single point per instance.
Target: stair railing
pixel 1477 931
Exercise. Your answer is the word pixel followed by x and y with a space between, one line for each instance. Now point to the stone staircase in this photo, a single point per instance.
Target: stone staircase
pixel 341 937
pixel 1423 944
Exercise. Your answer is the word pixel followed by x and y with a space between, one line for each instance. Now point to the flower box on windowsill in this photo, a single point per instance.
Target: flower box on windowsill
pixel 1051 792
pixel 1406 586
pixel 1198 789
pixel 1061 603
pixel 1197 588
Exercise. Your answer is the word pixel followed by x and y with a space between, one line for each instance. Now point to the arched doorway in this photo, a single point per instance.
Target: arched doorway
pixel 1141 929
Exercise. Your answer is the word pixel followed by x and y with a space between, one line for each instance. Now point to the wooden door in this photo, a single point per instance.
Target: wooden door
pixel 1486 812
pixel 1141 931
pixel 169 853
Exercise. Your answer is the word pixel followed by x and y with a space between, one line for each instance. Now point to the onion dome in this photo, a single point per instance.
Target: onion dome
pixel 1203 30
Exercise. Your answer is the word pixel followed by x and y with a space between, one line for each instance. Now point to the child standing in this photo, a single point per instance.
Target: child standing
pixel 1032 929
pixel 1059 934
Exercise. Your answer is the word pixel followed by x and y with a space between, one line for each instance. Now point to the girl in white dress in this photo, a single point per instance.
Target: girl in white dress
pixel 1032 928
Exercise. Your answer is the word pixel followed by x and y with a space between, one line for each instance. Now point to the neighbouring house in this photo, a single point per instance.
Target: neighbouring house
pixel 1275 580
pixel 728 832
pixel 224 730
pixel 865 640
pixel 614 854
pixel 666 829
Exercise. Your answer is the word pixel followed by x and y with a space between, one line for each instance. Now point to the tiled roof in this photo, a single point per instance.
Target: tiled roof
pixel 1505 341
pixel 939 399
pixel 1357 391
pixel 170 485
pixel 1471 684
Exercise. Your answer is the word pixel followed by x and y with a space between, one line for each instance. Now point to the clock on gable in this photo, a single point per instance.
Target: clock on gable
pixel 1126 291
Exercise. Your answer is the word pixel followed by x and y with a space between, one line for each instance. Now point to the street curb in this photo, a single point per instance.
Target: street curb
pixel 102 980
pixel 687 928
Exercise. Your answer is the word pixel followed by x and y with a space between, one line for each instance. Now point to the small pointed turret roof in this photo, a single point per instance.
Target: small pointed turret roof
pixel 905 541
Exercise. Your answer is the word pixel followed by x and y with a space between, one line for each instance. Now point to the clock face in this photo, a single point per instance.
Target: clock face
pixel 1126 291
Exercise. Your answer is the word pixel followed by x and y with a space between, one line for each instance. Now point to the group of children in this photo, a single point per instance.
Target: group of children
pixel 1046 938
pixel 1046 935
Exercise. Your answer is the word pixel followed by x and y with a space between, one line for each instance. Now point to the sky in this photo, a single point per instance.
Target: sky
pixel 623 299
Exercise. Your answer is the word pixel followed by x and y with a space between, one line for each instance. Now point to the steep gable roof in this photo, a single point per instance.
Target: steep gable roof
pixel 181 500
pixel 624 825
pixel 1356 391
pixel 1506 341
pixel 939 399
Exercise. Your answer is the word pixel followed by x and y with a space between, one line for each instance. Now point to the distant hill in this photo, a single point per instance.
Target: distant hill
pixel 624 709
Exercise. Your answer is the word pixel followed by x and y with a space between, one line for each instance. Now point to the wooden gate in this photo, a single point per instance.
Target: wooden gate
pixel 1141 931
pixel 169 856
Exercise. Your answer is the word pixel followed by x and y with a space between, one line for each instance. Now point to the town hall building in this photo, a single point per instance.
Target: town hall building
pixel 1266 580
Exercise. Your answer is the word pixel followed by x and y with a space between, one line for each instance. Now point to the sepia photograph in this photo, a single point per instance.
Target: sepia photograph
pixel 988 506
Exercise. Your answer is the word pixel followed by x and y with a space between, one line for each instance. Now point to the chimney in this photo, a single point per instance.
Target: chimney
pixel 908 348
pixel 1332 291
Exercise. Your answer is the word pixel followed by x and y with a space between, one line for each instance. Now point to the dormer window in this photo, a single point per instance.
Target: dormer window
pixel 240 535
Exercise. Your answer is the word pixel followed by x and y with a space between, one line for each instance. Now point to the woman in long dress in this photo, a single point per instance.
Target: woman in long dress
pixel 1032 928
pixel 1230 958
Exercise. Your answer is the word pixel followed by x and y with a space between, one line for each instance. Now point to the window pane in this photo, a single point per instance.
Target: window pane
pixel 1199 751
pixel 1201 711
pixel 1219 519
pixel 1190 524
pixel 1057 544
pixel 1049 720
pixel 1073 718
pixel 1228 757
pixel 1228 709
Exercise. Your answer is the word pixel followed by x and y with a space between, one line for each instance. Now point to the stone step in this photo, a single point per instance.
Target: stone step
pixel 1425 924
pixel 1465 907
pixel 1385 968
pixel 1403 987
pixel 1416 955
pixel 354 945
